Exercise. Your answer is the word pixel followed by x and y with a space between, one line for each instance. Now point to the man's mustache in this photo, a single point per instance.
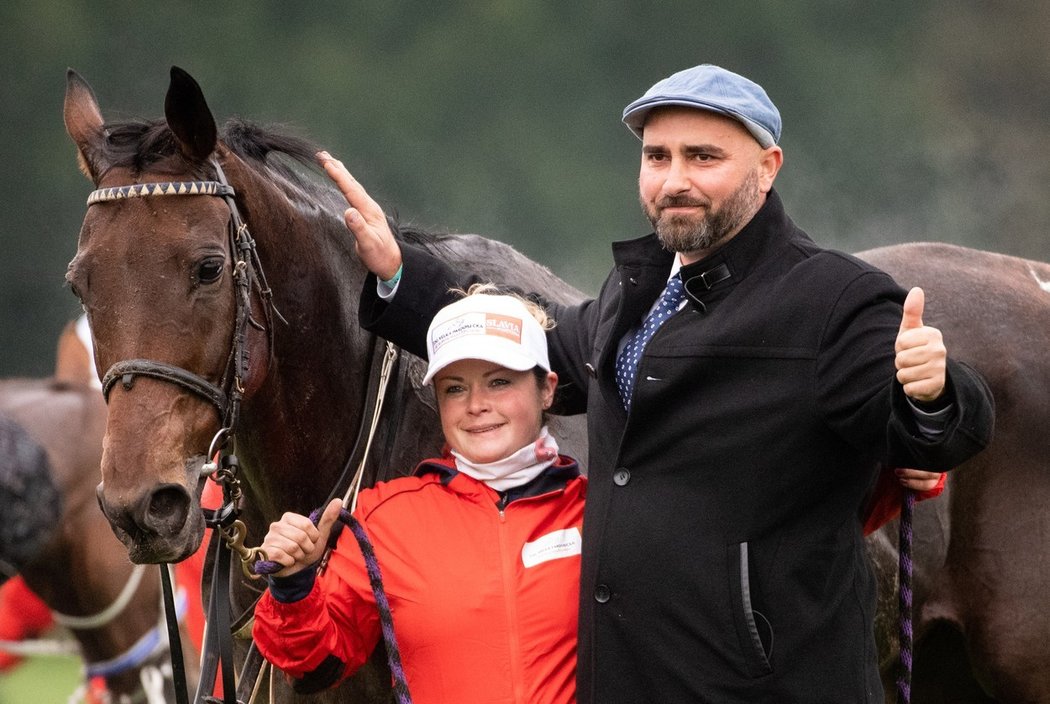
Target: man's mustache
pixel 682 202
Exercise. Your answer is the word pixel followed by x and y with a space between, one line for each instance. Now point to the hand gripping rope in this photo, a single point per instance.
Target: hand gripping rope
pixel 375 578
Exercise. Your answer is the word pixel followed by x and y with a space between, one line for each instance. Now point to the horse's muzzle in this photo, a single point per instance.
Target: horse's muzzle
pixel 155 527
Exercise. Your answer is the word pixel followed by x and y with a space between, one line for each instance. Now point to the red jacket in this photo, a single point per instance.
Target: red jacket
pixel 484 599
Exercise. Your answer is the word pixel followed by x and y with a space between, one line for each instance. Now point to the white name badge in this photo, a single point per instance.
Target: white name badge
pixel 553 546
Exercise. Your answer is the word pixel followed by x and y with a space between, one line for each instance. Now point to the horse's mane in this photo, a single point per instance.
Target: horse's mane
pixel 139 144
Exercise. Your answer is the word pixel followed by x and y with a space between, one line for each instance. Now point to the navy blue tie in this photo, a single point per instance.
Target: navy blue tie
pixel 631 354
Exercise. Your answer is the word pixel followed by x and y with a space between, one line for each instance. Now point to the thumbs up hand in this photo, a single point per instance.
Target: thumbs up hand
pixel 921 356
pixel 295 543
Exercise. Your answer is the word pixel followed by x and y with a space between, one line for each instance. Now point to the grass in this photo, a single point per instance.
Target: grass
pixel 41 680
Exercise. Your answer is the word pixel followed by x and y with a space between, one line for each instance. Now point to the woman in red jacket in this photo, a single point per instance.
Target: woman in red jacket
pixel 479 549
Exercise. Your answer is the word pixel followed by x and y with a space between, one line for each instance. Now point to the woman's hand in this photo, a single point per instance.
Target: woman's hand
pixel 295 543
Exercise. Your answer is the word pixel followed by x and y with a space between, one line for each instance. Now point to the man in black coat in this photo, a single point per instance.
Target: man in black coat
pixel 723 559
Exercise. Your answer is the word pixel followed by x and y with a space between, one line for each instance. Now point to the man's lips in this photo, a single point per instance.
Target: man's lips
pixel 681 205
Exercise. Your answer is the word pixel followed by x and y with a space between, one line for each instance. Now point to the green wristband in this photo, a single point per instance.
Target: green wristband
pixel 392 281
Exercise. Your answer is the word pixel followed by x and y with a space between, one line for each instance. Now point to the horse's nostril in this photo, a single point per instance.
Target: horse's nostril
pixel 168 508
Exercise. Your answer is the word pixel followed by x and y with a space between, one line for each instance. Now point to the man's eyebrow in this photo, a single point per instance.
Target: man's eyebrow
pixel 689 150
pixel 712 149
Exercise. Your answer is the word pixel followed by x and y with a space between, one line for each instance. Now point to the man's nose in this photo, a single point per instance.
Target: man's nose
pixel 677 180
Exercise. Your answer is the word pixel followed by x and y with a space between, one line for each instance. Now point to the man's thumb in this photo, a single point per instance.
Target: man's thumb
pixel 913 307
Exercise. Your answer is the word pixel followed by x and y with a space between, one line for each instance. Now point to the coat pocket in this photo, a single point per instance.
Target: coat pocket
pixel 753 629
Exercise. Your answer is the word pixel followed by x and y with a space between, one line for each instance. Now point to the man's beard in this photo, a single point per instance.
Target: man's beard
pixel 682 233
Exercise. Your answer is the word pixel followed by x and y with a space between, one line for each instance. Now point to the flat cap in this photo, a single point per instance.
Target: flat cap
pixel 709 87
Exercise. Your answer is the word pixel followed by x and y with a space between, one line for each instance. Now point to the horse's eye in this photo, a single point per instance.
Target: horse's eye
pixel 209 270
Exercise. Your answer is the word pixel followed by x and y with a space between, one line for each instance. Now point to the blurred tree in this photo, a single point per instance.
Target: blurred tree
pixel 902 121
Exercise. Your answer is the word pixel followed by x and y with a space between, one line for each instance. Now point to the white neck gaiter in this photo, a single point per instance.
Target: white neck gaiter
pixel 515 470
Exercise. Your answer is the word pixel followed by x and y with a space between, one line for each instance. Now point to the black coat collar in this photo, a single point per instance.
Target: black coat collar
pixel 644 263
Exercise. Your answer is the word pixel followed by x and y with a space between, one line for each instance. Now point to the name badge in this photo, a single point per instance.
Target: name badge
pixel 553 546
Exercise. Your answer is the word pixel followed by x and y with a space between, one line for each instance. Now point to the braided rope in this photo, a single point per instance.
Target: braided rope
pixel 386 618
pixel 904 545
pixel 375 578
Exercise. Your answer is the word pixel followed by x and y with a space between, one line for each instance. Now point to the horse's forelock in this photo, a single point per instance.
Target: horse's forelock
pixel 138 144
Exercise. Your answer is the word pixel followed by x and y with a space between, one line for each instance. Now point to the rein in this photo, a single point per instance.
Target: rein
pixel 109 613
pixel 904 597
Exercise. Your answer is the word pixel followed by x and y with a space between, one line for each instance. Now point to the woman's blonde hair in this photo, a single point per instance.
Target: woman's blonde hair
pixel 535 309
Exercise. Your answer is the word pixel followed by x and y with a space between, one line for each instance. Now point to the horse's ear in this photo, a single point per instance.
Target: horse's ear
pixel 188 117
pixel 84 124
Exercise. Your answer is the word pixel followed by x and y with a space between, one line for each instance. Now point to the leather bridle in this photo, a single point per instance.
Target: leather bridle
pixel 226 396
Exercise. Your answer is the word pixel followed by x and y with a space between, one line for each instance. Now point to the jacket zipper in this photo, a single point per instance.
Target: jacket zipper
pixel 509 600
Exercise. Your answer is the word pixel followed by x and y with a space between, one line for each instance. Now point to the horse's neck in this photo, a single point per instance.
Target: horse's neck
pixel 302 420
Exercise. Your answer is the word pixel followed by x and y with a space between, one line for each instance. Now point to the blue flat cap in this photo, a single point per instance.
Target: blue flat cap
pixel 708 87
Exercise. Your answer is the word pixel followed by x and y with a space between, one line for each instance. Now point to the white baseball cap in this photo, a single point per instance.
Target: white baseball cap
pixel 495 328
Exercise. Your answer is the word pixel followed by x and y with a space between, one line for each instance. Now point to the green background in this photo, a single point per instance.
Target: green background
pixel 903 121
pixel 41 680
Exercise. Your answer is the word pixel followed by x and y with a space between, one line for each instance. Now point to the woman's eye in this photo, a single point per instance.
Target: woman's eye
pixel 209 271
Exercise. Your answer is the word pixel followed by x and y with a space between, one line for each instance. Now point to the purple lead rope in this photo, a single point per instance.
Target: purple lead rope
pixel 375 578
pixel 905 599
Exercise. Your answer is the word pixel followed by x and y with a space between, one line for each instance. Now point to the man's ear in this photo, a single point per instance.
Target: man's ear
pixel 769 166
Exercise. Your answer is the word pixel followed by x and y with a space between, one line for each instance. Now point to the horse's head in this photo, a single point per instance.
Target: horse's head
pixel 159 277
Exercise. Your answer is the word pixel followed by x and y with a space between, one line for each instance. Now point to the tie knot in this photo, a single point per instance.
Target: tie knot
pixel 673 293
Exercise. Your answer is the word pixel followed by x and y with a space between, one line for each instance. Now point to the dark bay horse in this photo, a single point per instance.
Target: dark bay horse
pixel 161 281
pixel 79 569
pixel 982 550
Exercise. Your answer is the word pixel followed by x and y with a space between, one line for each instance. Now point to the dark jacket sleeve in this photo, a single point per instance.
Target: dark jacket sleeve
pixel 865 403
pixel 425 288
pixel 967 433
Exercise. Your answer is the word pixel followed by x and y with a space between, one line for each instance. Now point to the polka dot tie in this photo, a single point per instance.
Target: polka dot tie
pixel 627 362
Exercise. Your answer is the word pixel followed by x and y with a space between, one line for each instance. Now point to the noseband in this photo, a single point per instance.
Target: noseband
pixel 225 396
